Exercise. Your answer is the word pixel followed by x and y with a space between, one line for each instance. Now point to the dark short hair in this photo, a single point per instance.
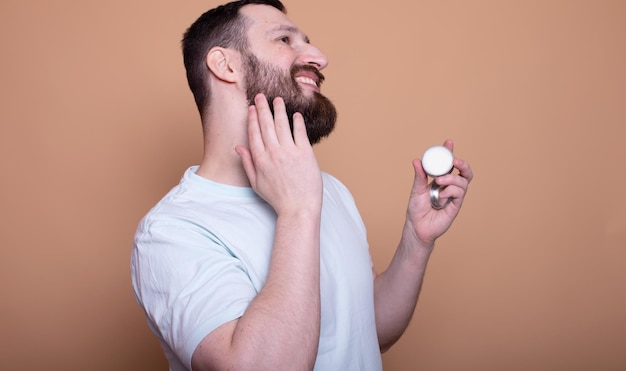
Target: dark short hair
pixel 222 26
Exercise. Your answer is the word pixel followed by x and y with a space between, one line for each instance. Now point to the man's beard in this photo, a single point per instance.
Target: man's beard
pixel 318 111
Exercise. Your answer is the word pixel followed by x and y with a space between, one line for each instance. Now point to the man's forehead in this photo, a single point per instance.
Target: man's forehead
pixel 265 18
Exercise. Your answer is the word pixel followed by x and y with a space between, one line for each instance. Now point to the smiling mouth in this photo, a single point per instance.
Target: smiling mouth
pixel 307 81
pixel 307 77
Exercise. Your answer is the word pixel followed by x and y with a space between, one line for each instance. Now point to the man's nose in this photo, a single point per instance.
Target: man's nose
pixel 311 55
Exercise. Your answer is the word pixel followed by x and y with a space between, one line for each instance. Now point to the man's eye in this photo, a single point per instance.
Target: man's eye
pixel 285 39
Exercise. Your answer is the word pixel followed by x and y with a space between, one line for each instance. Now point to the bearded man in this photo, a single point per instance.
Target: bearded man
pixel 258 260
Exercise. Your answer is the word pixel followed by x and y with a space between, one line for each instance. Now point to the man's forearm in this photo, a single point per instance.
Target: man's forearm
pixel 284 319
pixel 281 326
pixel 396 291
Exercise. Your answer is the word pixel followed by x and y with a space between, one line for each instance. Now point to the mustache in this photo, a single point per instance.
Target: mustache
pixel 307 68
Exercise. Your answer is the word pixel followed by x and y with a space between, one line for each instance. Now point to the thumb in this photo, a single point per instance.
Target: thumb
pixel 248 164
pixel 420 183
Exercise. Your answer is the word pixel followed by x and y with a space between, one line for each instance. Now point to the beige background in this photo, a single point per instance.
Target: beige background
pixel 97 124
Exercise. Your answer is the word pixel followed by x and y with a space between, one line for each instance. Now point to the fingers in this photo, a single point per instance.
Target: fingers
pixel 280 169
pixel 255 138
pixel 264 120
pixel 273 128
pixel 300 136
pixel 282 129
pixel 464 169
pixel 421 179
pixel 268 130
pixel 455 185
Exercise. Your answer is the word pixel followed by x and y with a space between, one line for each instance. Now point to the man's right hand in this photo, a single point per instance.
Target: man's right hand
pixel 281 168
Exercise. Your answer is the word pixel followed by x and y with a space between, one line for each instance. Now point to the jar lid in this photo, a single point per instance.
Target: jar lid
pixel 437 161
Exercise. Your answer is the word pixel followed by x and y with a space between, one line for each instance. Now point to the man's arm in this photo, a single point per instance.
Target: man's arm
pixel 281 326
pixel 396 290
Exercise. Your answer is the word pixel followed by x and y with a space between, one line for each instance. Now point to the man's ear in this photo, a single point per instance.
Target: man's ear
pixel 223 63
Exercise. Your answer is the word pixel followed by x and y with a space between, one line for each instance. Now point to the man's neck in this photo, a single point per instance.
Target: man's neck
pixel 222 133
pixel 225 171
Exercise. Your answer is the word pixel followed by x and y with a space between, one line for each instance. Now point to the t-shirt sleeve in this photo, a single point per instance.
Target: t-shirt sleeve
pixel 188 282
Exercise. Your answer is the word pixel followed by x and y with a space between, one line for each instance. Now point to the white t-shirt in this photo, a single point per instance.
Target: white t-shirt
pixel 202 254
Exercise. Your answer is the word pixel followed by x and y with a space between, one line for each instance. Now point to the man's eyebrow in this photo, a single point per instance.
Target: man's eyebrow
pixel 290 29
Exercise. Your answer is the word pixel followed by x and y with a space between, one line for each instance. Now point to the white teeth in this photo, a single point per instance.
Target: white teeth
pixel 306 80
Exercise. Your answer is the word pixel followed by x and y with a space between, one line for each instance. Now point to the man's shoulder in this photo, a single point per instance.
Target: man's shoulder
pixel 331 181
pixel 335 186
